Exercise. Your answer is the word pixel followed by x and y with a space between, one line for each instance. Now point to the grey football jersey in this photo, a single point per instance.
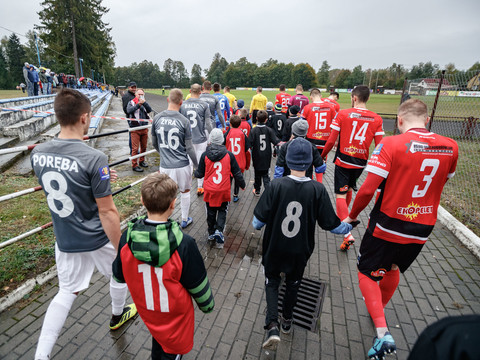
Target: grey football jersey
pixel 73 175
pixel 197 111
pixel 170 129
pixel 213 104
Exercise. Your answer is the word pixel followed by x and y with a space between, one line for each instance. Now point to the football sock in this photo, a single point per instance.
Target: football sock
pixel 349 198
pixel 342 208
pixel 55 317
pixel 381 332
pixel 373 299
pixel 118 293
pixel 319 177
pixel 185 204
pixel 388 285
pixel 200 183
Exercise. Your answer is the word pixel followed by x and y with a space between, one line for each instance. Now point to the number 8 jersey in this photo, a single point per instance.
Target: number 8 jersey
pixel 73 175
pixel 415 166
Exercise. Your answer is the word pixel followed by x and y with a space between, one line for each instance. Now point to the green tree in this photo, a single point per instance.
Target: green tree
pixel 323 75
pixel 15 56
pixel 356 77
pixel 168 72
pixel 75 29
pixel 475 67
pixel 217 68
pixel 304 74
pixel 4 74
pixel 423 70
pixel 196 73
pixel 180 75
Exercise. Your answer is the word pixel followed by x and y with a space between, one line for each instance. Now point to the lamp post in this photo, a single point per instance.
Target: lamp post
pixel 38 52
pixel 81 67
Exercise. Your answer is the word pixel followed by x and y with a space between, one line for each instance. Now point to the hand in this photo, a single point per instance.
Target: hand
pixel 113 175
pixel 141 101
pixel 243 189
pixel 353 222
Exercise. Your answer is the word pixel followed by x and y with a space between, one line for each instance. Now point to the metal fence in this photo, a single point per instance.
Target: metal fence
pixel 454 105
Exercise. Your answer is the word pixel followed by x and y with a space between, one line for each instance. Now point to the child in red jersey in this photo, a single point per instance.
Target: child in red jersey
pixel 237 142
pixel 217 165
pixel 163 270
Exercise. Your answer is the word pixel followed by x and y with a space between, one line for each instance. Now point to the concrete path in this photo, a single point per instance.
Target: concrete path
pixel 443 281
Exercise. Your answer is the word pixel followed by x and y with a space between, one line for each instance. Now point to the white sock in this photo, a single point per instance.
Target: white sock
pixel 185 204
pixel 200 183
pixel 346 235
pixel 118 293
pixel 381 332
pixel 55 317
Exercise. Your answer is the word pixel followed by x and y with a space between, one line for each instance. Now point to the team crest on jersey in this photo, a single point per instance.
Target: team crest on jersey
pixel 378 149
pixel 378 273
pixel 412 210
pixel 104 173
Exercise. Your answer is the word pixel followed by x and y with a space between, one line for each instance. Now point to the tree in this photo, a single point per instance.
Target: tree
pixel 323 75
pixel 475 67
pixel 217 68
pixel 15 56
pixel 305 75
pixel 423 70
pixel 341 80
pixel 356 77
pixel 196 74
pixel 168 72
pixel 74 29
pixel 180 75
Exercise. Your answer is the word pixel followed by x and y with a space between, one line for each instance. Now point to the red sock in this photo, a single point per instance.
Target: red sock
pixel 319 177
pixel 342 208
pixel 388 285
pixel 349 197
pixel 373 299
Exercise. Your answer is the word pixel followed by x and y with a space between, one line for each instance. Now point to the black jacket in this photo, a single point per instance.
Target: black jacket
pixel 126 98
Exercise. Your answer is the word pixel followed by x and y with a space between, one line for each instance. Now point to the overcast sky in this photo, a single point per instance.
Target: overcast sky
pixel 346 33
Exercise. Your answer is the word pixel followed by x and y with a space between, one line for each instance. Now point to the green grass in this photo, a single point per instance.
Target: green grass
pixel 35 254
pixel 10 94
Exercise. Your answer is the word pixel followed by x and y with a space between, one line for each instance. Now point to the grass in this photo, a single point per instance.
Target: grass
pixel 10 94
pixel 35 254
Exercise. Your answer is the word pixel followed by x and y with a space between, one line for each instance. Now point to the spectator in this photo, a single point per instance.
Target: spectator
pixel 33 77
pixel 29 83
pixel 44 81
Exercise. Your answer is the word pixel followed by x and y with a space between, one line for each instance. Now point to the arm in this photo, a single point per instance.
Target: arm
pixel 109 218
pixel 330 142
pixel 377 139
pixel 227 109
pixel 364 195
pixel 117 263
pixel 147 107
pixel 257 224
pixel 208 120
pixel 247 143
pixel 318 163
pixel 154 138
pixel 200 172
pixel 218 109
pixel 131 108
pixel 236 172
pixel 191 152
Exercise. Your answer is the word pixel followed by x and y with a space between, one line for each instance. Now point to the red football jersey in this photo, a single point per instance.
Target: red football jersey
pixel 334 103
pixel 300 100
pixel 245 127
pixel 217 181
pixel 235 143
pixel 319 116
pixel 358 127
pixel 415 166
pixel 282 98
pixel 163 303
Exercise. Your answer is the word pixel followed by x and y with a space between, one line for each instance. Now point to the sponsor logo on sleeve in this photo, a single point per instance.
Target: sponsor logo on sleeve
pixel 378 149
pixel 104 173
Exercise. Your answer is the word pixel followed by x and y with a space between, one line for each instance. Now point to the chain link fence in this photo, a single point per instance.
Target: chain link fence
pixel 454 104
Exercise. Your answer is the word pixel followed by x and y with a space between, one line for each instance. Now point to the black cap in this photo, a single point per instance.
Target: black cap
pixel 294 109
pixel 132 83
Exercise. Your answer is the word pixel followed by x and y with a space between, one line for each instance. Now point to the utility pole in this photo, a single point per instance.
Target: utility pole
pixel 81 67
pixel 38 52
pixel 74 43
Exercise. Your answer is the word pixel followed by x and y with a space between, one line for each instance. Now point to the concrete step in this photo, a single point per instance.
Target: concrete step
pixel 8 142
pixel 7 103
pixel 24 112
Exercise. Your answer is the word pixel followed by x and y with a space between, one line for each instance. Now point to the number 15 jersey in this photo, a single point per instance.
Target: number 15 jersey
pixel 415 166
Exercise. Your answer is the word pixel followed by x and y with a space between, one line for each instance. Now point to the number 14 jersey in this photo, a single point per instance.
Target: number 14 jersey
pixel 415 166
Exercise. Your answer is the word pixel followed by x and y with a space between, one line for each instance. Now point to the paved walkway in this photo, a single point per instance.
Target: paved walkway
pixel 445 280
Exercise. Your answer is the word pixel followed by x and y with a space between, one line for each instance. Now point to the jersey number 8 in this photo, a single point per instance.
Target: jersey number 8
pixel 57 195
pixel 294 210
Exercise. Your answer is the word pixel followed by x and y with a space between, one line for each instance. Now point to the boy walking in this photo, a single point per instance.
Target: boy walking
pixel 237 142
pixel 217 165
pixel 163 270
pixel 260 139
pixel 290 207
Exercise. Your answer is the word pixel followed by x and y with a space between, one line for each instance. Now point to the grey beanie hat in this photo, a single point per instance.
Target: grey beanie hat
pixel 300 128
pixel 216 137
pixel 269 105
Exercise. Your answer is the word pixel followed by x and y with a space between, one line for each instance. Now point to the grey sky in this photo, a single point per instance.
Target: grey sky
pixel 346 33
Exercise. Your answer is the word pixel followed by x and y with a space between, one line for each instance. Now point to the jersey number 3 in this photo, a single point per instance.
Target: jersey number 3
pixel 433 163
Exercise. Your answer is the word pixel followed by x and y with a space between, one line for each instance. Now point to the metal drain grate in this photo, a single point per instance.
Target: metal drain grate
pixel 309 303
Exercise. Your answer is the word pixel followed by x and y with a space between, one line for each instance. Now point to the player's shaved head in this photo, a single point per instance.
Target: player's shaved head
pixel 195 89
pixel 315 93
pixel 70 105
pixel 226 89
pixel 175 96
pixel 217 87
pixel 282 87
pixel 299 88
pixel 207 85
pixel 235 121
pixel 335 94
pixel 158 191
pixel 362 93
pixel 413 110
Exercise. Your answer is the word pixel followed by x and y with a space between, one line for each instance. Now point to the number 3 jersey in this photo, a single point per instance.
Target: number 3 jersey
pixel 290 207
pixel 163 270
pixel 198 112
pixel 73 175
pixel 415 166
pixel 357 127
pixel 170 130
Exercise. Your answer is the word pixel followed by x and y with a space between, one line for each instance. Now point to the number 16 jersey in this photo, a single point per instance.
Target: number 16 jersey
pixel 415 166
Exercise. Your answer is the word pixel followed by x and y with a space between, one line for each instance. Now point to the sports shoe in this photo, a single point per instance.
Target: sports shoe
pixel 211 237
pixel 235 198
pixel 287 326
pixel 219 238
pixel 185 223
pixel 200 191
pixel 129 312
pixel 256 193
pixel 347 241
pixel 273 337
pixel 137 169
pixel 381 347
pixel 143 164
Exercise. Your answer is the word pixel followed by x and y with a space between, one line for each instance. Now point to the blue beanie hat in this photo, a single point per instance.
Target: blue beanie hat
pixel 240 103
pixel 299 154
